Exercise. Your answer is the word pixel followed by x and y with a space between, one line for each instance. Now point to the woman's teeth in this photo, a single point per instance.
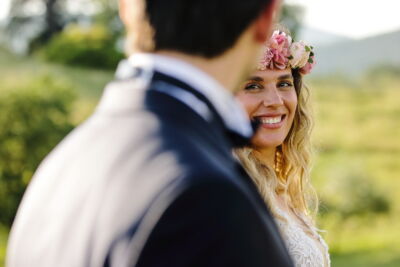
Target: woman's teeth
pixel 271 120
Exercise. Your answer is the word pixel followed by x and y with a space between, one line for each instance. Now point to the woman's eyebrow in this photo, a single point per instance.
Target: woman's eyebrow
pixel 285 77
pixel 256 79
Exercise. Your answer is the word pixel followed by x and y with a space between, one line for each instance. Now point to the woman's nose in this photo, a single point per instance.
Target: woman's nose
pixel 272 97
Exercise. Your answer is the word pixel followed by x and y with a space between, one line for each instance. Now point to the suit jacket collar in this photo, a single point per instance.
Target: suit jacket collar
pixel 228 108
pixel 128 92
pixel 196 101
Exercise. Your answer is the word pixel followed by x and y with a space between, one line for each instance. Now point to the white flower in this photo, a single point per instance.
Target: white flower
pixel 299 54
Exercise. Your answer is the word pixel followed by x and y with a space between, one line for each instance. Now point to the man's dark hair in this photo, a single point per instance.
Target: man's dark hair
pixel 200 27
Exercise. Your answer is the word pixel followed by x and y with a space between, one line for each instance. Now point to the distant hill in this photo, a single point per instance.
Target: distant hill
pixel 355 56
pixel 318 37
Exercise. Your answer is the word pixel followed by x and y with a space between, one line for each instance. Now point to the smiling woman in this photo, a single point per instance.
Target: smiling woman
pixel 278 159
pixel 269 97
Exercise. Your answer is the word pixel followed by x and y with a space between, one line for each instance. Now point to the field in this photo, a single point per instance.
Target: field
pixel 357 161
pixel 358 155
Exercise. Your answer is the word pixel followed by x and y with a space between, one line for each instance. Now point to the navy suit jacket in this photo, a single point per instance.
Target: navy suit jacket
pixel 145 181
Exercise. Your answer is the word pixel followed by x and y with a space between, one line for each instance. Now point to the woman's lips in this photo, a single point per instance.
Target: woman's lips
pixel 271 122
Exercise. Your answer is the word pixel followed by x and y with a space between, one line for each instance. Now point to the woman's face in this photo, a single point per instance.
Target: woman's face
pixel 269 97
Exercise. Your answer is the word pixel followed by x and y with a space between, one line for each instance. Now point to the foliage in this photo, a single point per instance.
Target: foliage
pixel 20 18
pixel 3 244
pixel 53 16
pixel 17 71
pixel 357 165
pixel 34 118
pixel 370 258
pixel 28 28
pixel 91 46
pixel 353 194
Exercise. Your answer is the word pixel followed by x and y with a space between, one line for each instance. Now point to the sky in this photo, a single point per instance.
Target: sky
pixel 351 18
pixel 4 6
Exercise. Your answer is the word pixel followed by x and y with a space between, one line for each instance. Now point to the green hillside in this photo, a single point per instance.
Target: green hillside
pixel 358 160
pixel 357 56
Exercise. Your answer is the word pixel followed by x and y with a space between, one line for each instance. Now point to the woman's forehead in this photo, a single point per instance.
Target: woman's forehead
pixel 269 74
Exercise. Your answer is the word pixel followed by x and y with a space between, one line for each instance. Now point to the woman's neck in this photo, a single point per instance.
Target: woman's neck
pixel 266 156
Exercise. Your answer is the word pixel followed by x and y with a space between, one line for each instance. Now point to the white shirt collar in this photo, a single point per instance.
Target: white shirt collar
pixel 226 105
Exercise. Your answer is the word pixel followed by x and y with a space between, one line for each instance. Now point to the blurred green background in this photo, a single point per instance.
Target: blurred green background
pixel 51 81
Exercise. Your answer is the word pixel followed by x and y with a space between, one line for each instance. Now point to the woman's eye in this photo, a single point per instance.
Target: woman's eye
pixel 252 86
pixel 285 84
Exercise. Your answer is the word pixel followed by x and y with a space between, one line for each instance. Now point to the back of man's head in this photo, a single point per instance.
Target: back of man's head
pixel 205 28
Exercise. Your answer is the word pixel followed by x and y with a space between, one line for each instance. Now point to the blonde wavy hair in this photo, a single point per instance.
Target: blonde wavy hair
pixel 291 173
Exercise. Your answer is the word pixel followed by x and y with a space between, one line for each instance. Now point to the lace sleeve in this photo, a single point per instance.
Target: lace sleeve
pixel 306 249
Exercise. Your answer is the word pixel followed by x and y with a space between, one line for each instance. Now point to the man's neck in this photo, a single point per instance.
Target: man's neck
pixel 223 68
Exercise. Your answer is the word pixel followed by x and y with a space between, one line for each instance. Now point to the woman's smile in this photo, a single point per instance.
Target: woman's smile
pixel 270 121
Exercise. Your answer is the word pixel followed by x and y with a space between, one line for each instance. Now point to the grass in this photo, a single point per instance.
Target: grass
pixel 357 129
pixel 88 83
pixel 357 133
pixel 3 243
pixel 375 258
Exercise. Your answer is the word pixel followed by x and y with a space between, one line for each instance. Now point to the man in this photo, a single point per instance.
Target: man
pixel 149 179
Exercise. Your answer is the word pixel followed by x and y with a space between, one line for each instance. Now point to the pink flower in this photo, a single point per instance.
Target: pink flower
pixel 276 54
pixel 308 67
pixel 266 59
pixel 299 54
pixel 280 59
pixel 280 41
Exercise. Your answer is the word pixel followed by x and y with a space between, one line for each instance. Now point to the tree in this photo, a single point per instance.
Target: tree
pixel 20 16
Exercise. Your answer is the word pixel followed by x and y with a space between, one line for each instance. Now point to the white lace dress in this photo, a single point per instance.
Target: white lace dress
pixel 307 249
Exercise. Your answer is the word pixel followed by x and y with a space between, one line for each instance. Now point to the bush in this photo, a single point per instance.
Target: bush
pixel 33 119
pixel 354 194
pixel 92 46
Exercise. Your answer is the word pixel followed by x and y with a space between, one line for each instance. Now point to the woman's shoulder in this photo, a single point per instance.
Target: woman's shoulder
pixel 306 246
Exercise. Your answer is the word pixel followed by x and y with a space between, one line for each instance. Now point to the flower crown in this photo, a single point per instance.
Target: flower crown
pixel 281 52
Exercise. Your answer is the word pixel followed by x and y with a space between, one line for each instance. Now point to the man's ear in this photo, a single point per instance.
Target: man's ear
pixel 265 21
pixel 124 11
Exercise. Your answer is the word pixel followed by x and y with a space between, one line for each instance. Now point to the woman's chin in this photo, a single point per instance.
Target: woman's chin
pixel 265 142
